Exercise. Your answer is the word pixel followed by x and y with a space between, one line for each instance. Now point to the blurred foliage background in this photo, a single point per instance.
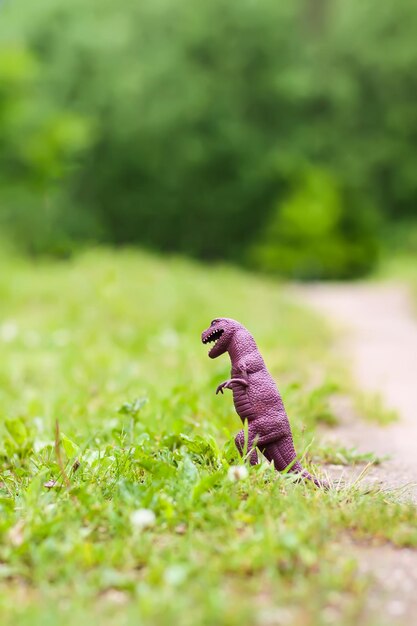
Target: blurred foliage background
pixel 278 135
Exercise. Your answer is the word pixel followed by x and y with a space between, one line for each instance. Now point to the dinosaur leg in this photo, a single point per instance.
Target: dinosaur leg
pixel 283 455
pixel 240 445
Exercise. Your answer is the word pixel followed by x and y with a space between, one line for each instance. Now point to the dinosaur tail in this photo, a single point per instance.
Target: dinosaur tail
pixel 319 482
pixel 297 468
pixel 285 459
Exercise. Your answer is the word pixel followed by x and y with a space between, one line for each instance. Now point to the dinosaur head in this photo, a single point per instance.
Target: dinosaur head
pixel 220 331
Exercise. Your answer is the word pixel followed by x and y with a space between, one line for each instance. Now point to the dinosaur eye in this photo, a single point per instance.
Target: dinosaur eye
pixel 213 322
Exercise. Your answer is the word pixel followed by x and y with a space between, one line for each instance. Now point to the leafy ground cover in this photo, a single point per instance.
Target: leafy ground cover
pixel 133 513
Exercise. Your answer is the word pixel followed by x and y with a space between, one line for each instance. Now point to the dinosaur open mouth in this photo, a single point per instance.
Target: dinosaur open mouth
pixel 214 336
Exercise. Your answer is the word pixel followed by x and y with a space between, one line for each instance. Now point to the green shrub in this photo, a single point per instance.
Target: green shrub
pixel 309 235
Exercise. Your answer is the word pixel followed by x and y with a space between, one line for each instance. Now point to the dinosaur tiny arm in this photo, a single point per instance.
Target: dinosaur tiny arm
pixel 227 383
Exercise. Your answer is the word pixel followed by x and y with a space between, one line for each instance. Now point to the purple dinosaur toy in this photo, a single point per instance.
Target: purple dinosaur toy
pixel 256 398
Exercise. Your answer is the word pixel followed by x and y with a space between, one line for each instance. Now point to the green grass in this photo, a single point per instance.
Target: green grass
pixel 371 407
pixel 399 259
pixel 340 455
pixel 108 344
pixel 402 267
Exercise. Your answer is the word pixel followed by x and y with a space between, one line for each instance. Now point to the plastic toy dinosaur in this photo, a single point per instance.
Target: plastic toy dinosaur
pixel 256 398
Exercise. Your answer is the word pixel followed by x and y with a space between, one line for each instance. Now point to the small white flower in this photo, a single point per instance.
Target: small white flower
pixel 39 423
pixel 16 537
pixel 9 331
pixel 169 338
pixel 61 338
pixel 39 445
pixel 237 472
pixel 32 339
pixel 115 596
pixel 142 518
pixel 175 575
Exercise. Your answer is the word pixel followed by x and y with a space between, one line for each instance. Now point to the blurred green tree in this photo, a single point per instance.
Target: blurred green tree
pixel 38 140
pixel 260 132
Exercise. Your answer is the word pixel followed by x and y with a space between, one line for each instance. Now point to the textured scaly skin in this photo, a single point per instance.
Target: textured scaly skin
pixel 256 398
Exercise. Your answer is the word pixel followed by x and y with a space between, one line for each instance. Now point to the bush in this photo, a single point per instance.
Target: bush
pixel 310 235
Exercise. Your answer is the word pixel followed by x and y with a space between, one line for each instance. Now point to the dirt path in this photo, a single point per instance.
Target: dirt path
pixel 379 337
pixel 379 333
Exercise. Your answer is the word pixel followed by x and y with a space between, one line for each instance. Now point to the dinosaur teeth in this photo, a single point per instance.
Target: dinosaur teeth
pixel 213 336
